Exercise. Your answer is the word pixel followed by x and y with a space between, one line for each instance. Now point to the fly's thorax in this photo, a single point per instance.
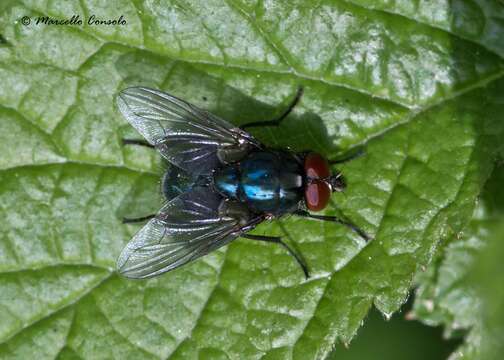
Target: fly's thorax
pixel 267 181
pixel 227 181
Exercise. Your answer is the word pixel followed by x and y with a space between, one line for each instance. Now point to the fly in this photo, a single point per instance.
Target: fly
pixel 223 183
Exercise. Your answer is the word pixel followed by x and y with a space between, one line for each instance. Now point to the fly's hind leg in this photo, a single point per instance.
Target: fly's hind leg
pixel 137 142
pixel 278 240
pixel 278 120
pixel 139 219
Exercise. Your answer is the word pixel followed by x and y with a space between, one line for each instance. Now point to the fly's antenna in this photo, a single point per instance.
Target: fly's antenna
pixel 336 182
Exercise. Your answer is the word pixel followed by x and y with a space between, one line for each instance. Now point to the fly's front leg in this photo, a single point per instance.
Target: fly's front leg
pixel 335 219
pixel 277 121
pixel 350 157
pixel 137 142
pixel 278 240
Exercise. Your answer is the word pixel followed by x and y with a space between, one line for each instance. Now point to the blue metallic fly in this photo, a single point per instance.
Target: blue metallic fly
pixel 222 183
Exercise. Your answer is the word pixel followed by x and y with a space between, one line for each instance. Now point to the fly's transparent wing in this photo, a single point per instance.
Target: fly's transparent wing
pixel 185 229
pixel 187 136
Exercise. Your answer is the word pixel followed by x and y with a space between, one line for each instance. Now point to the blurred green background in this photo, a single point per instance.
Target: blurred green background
pixel 397 338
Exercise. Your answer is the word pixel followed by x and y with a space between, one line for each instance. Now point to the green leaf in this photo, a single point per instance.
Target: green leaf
pixel 424 97
pixel 462 289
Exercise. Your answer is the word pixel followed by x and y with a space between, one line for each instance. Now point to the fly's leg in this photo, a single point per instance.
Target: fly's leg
pixel 347 158
pixel 140 143
pixel 137 142
pixel 335 219
pixel 278 240
pixel 135 220
pixel 277 121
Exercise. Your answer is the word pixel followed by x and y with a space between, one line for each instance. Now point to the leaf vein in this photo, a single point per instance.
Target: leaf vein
pixel 61 308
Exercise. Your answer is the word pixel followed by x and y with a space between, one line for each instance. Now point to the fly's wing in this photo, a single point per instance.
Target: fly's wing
pixel 186 228
pixel 187 136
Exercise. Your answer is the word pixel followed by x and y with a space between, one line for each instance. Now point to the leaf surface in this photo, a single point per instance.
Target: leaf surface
pixel 426 99
pixel 462 290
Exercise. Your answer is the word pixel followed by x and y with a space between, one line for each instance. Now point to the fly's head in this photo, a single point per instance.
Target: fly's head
pixel 320 183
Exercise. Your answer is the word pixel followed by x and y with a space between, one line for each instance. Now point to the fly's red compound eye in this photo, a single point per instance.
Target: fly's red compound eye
pixel 316 166
pixel 317 195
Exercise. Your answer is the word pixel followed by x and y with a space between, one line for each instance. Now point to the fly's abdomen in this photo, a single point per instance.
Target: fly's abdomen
pixel 269 182
pixel 175 181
